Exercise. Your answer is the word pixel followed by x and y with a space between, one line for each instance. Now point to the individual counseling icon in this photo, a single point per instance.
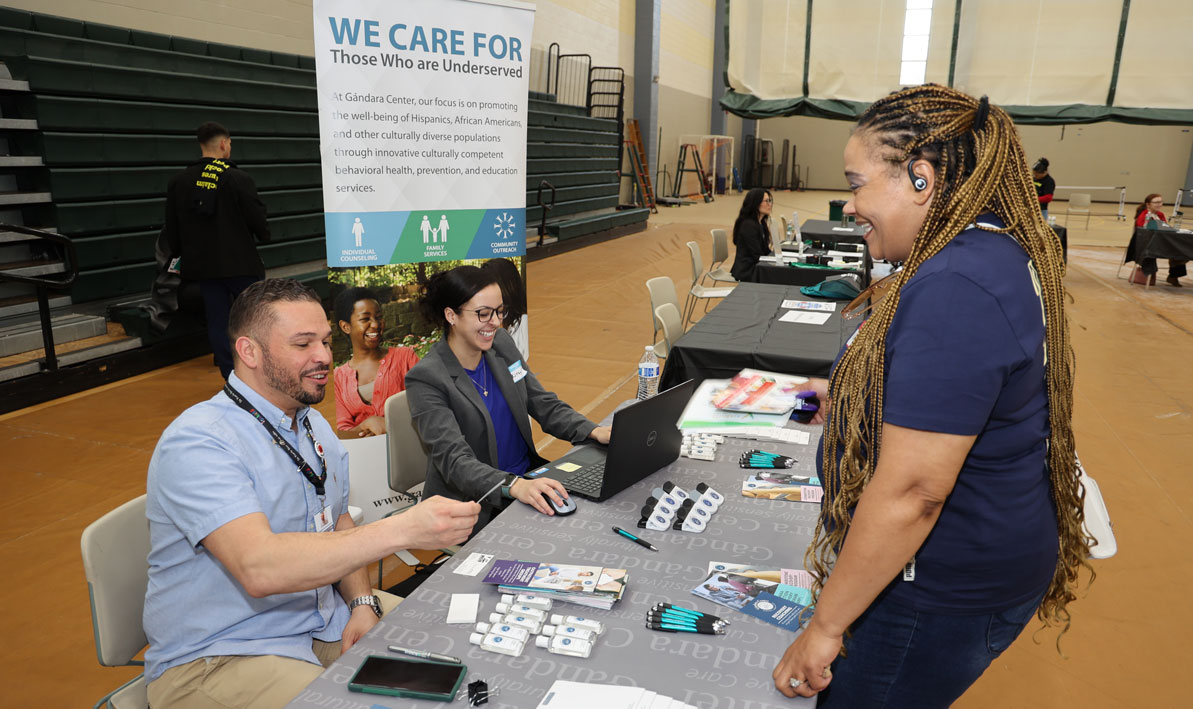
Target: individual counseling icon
pixel 358 230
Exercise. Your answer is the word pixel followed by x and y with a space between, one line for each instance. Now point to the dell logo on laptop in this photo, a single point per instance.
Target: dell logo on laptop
pixel 652 437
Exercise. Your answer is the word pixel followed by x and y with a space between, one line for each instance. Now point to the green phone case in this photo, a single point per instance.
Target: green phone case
pixel 373 689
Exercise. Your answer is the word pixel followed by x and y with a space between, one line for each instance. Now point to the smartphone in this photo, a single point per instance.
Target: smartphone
pixel 408 677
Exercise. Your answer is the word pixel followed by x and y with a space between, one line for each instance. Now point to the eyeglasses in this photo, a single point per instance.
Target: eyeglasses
pixel 1156 201
pixel 875 293
pixel 486 314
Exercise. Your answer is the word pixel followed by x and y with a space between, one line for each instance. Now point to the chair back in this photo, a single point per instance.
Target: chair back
pixel 672 322
pixel 116 563
pixel 720 247
pixel 697 263
pixel 662 290
pixel 1079 200
pixel 407 453
pixel 783 222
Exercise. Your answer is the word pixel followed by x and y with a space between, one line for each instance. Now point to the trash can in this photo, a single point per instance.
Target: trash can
pixel 836 208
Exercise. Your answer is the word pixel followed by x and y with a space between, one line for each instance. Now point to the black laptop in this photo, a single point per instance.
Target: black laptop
pixel 645 438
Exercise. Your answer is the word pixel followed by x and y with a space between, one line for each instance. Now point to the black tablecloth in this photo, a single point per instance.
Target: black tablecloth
pixel 743 331
pixel 826 230
pixel 1147 245
pixel 784 275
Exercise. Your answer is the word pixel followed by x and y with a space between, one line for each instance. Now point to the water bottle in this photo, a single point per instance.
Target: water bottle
pixel 648 374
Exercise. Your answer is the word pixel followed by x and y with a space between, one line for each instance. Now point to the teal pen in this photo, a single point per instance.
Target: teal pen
pixel 687 611
pixel 682 620
pixel 636 540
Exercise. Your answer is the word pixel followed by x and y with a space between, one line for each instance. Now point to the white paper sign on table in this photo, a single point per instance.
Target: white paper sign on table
pixel 805 318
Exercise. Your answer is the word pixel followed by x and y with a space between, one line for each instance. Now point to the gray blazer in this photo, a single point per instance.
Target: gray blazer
pixel 452 419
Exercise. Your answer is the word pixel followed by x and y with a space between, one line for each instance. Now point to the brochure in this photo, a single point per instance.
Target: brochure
pixel 590 586
pixel 700 414
pixel 776 611
pixel 778 485
pixel 732 590
pixel 760 392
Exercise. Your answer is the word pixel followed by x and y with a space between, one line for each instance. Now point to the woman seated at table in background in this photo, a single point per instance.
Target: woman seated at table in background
pixel 374 373
pixel 1044 184
pixel 472 398
pixel 1148 214
pixel 751 233
pixel 513 291
pixel 952 510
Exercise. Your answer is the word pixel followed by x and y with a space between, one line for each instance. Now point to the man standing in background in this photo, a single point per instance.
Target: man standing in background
pixel 212 215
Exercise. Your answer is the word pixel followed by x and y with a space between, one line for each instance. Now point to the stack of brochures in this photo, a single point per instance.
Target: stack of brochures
pixel 760 392
pixel 590 586
pixel 565 694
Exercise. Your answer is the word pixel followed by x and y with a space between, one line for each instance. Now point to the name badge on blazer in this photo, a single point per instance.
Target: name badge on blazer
pixel 517 371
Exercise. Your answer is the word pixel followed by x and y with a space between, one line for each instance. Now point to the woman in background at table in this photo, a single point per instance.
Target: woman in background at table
pixel 1044 184
pixel 1148 214
pixel 513 291
pixel 374 373
pixel 952 509
pixel 472 398
pixel 751 233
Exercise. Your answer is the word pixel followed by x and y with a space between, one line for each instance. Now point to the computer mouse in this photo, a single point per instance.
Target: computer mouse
pixel 567 508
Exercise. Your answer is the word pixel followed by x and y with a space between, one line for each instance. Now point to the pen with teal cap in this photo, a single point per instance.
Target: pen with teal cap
pixel 636 540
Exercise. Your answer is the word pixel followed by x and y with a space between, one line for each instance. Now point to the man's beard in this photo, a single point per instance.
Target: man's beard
pixel 282 381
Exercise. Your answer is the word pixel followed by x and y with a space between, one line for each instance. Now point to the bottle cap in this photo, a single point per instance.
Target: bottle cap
pixel 542 641
pixel 650 348
pixel 483 627
pixel 476 638
pixel 494 617
pixel 548 630
pixel 503 608
pixel 556 619
pixel 507 598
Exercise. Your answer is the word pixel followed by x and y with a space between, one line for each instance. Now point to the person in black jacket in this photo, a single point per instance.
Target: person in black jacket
pixel 212 215
pixel 1045 185
pixel 751 233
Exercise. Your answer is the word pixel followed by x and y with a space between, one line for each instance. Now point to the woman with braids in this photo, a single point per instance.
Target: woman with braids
pixel 952 511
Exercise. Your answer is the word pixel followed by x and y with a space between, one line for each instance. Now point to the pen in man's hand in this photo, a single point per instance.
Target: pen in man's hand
pixel 634 539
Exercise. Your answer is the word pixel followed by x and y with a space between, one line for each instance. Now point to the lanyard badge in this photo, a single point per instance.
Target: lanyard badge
pixel 303 467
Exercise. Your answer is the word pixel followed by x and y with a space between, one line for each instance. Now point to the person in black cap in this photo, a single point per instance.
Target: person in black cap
pixel 213 213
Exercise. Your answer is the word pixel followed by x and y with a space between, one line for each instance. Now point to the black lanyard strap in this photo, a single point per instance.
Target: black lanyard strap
pixel 303 467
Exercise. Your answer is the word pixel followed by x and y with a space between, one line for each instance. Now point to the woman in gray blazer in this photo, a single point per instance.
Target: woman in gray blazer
pixel 472 398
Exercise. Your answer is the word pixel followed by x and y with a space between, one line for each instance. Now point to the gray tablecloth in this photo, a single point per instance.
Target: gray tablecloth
pixel 743 331
pixel 708 671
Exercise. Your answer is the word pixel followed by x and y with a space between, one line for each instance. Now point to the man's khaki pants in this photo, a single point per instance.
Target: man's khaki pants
pixel 257 681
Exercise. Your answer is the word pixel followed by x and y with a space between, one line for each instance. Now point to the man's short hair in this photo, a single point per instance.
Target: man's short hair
pixel 211 130
pixel 252 311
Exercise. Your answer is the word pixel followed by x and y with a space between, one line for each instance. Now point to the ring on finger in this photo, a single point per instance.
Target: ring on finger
pixel 795 683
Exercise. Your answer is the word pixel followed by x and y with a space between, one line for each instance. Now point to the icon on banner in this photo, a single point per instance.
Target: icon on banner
pixel 441 232
pixel 504 226
pixel 426 229
pixel 358 230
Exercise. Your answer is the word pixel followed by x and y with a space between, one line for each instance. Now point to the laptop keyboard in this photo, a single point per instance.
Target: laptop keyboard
pixel 587 481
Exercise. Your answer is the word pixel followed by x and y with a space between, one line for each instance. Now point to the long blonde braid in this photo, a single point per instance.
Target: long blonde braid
pixel 979 169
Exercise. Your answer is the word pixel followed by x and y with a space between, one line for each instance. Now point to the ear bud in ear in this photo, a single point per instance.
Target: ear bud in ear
pixel 919 183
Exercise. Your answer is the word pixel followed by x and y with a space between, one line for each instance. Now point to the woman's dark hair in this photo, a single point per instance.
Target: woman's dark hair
pixel 1142 207
pixel 749 213
pixel 513 290
pixel 346 302
pixel 1041 165
pixel 451 289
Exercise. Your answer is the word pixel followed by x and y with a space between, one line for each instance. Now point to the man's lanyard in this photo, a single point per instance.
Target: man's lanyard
pixel 303 466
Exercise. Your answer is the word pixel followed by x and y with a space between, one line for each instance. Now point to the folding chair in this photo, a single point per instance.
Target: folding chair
pixel 115 561
pixel 662 290
pixel 698 292
pixel 1079 203
pixel 720 254
pixel 668 315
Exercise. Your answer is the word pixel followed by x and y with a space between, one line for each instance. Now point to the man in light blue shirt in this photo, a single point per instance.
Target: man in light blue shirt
pixel 256 571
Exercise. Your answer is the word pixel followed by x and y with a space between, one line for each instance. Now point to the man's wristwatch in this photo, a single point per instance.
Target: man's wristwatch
pixel 370 601
pixel 507 486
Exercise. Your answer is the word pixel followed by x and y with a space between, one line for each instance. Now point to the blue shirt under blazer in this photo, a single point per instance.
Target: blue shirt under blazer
pixel 454 423
pixel 213 464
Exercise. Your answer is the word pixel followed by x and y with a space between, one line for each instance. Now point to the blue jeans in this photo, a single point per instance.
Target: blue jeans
pixel 898 657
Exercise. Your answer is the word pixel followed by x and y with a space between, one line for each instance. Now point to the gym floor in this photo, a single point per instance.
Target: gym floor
pixel 73 459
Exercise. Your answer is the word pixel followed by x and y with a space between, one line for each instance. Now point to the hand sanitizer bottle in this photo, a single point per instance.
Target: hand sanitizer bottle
pixel 497 643
pixel 588 623
pixel 527 599
pixel 510 631
pixel 565 646
pixel 532 623
pixel 569 631
pixel 506 608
